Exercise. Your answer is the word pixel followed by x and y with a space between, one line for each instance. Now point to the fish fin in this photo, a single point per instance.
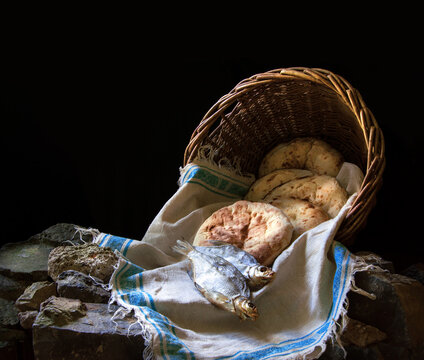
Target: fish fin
pixel 217 242
pixel 216 298
pixel 183 247
pixel 190 274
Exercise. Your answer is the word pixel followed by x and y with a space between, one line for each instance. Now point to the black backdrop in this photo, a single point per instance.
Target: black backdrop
pixel 97 139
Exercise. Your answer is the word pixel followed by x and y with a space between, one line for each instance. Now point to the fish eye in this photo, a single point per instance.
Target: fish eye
pixel 262 268
pixel 251 305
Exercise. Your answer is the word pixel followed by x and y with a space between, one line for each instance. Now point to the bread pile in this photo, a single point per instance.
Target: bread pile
pixel 296 190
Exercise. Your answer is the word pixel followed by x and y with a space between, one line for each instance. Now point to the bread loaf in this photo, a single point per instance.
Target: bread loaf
pixel 303 153
pixel 303 215
pixel 260 229
pixel 321 190
pixel 262 186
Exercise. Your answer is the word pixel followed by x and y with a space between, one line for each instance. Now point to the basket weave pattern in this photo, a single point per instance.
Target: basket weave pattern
pixel 276 106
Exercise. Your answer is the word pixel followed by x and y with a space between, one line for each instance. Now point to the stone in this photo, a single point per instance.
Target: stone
pixel 92 337
pixel 15 344
pixel 11 289
pixel 59 311
pixel 392 351
pixel 334 351
pixel 375 259
pixel 25 261
pixel 76 285
pixel 397 310
pixel 8 313
pixel 415 271
pixel 35 294
pixel 62 234
pixel 361 335
pixel 89 259
pixel 27 318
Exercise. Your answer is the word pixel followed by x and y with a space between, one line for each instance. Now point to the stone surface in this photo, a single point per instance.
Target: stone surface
pixel 11 289
pixel 353 352
pixel 15 344
pixel 27 318
pixel 415 271
pixel 25 261
pixel 359 334
pixel 76 285
pixel 8 313
pixel 59 311
pixel 35 294
pixel 375 259
pixel 61 234
pixel 89 259
pixel 397 310
pixel 92 337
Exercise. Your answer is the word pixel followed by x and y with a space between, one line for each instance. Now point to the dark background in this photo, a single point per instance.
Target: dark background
pixel 95 135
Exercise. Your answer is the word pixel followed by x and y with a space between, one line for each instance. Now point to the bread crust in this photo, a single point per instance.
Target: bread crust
pixel 262 186
pixel 321 190
pixel 303 153
pixel 260 229
pixel 302 214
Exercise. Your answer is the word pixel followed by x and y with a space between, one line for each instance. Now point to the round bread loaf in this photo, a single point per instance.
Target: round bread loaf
pixel 262 186
pixel 321 190
pixel 260 229
pixel 302 214
pixel 303 153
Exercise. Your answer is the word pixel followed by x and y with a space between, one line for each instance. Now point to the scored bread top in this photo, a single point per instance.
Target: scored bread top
pixel 302 214
pixel 262 186
pixel 321 190
pixel 303 153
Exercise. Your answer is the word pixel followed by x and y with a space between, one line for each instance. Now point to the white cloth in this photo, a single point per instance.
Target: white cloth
pixel 297 311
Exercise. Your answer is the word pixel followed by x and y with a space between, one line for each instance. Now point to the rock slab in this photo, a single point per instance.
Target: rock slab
pixel 25 261
pixel 76 285
pixel 60 311
pixel 92 337
pixel 61 234
pixel 34 295
pixel 398 311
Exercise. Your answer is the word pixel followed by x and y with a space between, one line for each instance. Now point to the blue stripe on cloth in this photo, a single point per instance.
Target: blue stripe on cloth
pixel 101 243
pixel 129 286
pixel 215 181
pixel 342 258
pixel 116 243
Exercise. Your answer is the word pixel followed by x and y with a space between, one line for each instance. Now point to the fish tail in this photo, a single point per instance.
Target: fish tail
pixel 183 247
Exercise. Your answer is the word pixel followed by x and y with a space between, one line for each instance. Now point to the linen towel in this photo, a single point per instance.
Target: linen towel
pixel 299 311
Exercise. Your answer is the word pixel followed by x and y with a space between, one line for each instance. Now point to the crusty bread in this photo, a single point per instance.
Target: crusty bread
pixel 262 186
pixel 321 190
pixel 303 153
pixel 260 229
pixel 302 214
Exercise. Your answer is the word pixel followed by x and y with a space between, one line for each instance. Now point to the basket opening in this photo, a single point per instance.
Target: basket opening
pixel 279 111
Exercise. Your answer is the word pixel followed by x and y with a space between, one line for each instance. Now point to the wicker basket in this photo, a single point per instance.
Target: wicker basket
pixel 282 104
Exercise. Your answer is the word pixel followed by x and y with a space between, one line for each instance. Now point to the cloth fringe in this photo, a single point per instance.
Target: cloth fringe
pixel 206 155
pixel 83 231
pixel 124 310
pixel 360 264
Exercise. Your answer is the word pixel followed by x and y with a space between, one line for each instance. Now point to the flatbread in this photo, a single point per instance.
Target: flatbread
pixel 262 186
pixel 321 190
pixel 302 214
pixel 260 229
pixel 303 153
